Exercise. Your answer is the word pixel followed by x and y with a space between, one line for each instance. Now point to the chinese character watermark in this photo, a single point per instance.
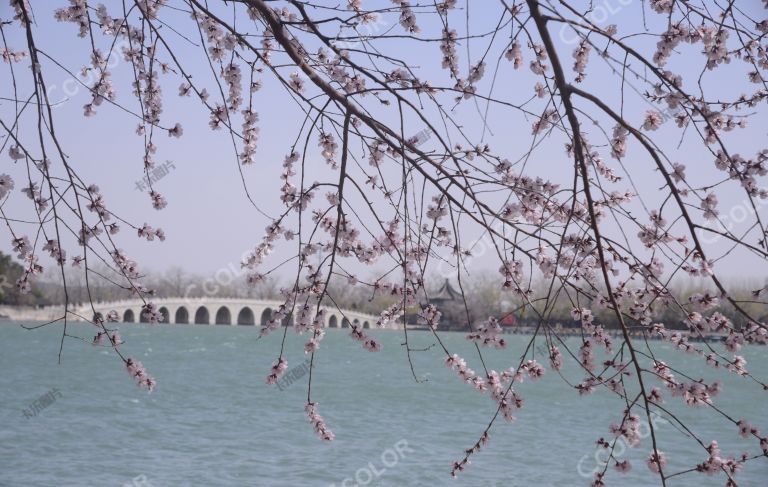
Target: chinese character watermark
pixel 42 402
pixel 294 375
pixel 421 137
pixel 154 175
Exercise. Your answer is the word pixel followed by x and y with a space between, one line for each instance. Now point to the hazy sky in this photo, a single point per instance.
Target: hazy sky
pixel 209 222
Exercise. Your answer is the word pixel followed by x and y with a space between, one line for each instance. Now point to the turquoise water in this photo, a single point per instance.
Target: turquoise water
pixel 213 420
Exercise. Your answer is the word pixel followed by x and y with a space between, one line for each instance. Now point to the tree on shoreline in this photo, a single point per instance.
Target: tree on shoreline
pixel 430 132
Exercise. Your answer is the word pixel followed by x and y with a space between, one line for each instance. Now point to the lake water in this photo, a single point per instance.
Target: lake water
pixel 213 421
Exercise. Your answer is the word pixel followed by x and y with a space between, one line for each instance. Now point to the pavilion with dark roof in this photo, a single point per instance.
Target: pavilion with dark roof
pixel 444 295
pixel 448 301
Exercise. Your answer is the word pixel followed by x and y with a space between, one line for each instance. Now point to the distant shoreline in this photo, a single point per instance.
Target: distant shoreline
pixel 523 331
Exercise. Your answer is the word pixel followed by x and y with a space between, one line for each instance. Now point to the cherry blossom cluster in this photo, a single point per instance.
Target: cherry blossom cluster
pixel 277 318
pixel 151 313
pixel 149 233
pixel 448 48
pixel 514 54
pixel 656 461
pixel 250 136
pixel 454 362
pixel 430 316
pixel 629 429
pixel 407 16
pixel 128 267
pixel 278 369
pixel 329 146
pixel 31 269
pixel 581 57
pixel 138 372
pixel 10 56
pixel 114 338
pixel 313 344
pixel 488 333
pixel 369 343
pixel 77 13
pixel 715 463
pixel 318 423
pixel 507 398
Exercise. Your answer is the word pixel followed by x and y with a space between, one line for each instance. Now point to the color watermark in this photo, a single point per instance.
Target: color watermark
pixel 372 472
pixel 603 455
pixel 598 14
pixel 138 481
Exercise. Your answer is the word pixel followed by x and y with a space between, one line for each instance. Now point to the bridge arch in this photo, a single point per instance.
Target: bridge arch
pixel 128 316
pixel 366 325
pixel 223 316
pixel 166 316
pixel 333 322
pixel 182 315
pixel 202 317
pixel 266 315
pixel 288 320
pixel 143 318
pixel 245 317
pixel 98 317
pixel 345 322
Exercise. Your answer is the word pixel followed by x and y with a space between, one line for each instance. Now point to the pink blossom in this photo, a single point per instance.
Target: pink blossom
pixel 318 423
pixel 653 120
pixel 278 369
pixel 6 185
pixel 656 461
pixel 623 466
pixel 176 131
pixel 136 370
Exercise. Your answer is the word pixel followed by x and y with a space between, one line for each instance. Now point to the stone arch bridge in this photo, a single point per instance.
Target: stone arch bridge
pixel 222 311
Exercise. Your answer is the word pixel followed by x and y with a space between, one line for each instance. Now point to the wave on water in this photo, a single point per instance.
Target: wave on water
pixel 196 350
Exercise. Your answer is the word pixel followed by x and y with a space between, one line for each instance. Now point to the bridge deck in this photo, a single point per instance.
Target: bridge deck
pixel 204 311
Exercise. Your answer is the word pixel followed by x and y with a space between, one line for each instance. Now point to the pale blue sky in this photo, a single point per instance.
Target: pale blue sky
pixel 209 222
